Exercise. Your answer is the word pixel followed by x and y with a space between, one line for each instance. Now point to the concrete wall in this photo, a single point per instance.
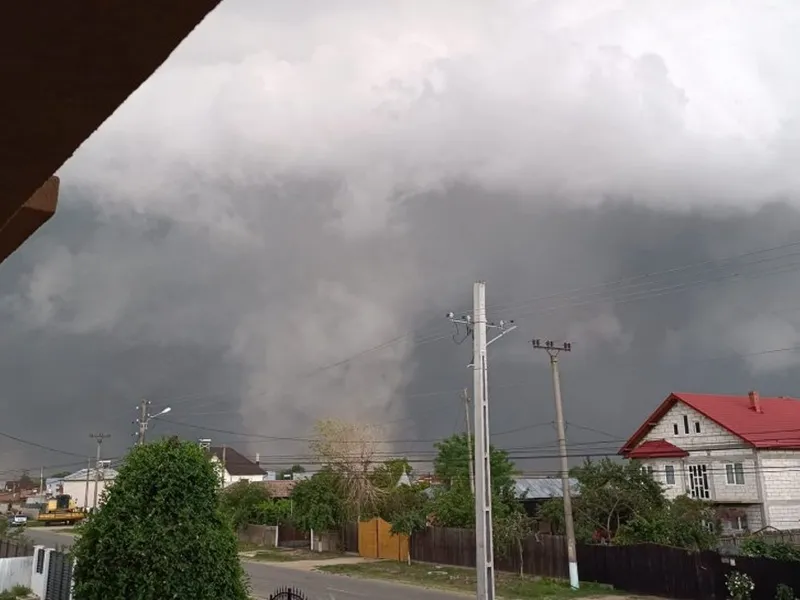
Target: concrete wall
pixel 15 571
pixel 711 434
pixel 781 474
pixel 77 489
pixel 260 535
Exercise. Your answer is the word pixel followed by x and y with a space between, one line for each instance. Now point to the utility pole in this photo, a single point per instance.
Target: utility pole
pixel 224 450
pixel 86 493
pixel 477 325
pixel 99 437
pixel 553 350
pixel 465 397
pixel 144 419
pixel 41 481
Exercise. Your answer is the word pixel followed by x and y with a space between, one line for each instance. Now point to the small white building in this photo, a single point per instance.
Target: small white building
pixel 741 453
pixel 235 466
pixel 81 485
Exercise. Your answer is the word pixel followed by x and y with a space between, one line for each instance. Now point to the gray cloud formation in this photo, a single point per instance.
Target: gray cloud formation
pixel 297 185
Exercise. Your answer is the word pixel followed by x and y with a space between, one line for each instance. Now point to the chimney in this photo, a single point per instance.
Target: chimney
pixel 755 401
pixel 258 459
pixel 205 443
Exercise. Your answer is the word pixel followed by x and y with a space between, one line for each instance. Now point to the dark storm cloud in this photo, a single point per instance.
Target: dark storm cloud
pixel 297 186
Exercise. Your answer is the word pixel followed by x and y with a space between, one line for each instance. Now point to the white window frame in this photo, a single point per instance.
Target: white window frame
pixel 734 475
pixel 669 473
pixel 739 523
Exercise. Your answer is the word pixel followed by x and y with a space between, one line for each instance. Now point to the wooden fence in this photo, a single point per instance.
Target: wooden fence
pixel 542 555
pixel 12 549
pixel 292 537
pixel 646 569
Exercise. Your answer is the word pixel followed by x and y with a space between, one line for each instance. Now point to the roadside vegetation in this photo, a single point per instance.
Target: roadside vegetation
pixel 458 579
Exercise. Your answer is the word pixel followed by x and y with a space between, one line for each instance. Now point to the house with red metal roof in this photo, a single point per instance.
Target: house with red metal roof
pixel 740 452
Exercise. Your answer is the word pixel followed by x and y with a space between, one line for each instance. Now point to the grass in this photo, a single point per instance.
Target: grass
pixel 459 579
pixel 18 591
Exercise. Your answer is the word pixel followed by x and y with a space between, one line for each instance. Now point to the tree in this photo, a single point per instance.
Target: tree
pixel 318 503
pixel 452 464
pixel 160 532
pixel 242 501
pixel 510 531
pixel 348 449
pixel 406 508
pixel 387 475
pixel 682 523
pixel 611 494
pixel 453 506
pixel 25 482
pixel 282 474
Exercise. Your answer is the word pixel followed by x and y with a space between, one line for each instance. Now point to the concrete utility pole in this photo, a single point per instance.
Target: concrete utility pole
pixel 99 437
pixel 553 350
pixel 86 493
pixel 477 325
pixel 465 397
pixel 144 419
pixel 41 481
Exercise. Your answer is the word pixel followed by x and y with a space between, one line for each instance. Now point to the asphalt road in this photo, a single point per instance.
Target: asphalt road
pixel 266 578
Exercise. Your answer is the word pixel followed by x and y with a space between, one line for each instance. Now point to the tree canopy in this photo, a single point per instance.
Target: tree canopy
pixel 318 502
pixel 452 464
pixel 243 502
pixel 160 532
pixel 623 503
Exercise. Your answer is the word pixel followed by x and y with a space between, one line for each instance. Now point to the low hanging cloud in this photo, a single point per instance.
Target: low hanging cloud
pixel 300 183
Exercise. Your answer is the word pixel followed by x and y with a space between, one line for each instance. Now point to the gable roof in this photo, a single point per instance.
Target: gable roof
pixel 776 426
pixel 236 463
pixel 105 474
pixel 657 449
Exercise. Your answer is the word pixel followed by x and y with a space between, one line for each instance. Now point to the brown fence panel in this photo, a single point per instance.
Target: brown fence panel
pixel 292 537
pixel 444 545
pixel 11 549
pixel 350 537
pixel 654 570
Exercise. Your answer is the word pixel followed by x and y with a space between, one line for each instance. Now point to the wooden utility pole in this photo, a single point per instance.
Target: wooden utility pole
pixel 99 437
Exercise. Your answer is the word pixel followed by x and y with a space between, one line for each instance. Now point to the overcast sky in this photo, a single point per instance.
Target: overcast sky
pixel 302 183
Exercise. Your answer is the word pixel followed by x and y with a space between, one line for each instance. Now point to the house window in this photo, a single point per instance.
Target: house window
pixel 739 523
pixel 669 474
pixel 698 482
pixel 686 424
pixel 734 473
pixel 697 426
pixel 675 428
pixel 647 471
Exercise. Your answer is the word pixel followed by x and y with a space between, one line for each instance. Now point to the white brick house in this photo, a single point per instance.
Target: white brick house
pixel 740 452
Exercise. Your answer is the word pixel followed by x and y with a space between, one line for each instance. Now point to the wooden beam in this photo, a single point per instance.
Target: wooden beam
pixel 34 213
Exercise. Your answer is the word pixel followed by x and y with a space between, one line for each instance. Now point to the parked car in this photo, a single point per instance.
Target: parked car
pixel 17 520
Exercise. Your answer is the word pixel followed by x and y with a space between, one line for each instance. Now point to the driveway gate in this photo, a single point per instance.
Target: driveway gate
pixel 59 576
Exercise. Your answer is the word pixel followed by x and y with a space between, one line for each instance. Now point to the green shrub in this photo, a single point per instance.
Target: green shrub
pixel 160 532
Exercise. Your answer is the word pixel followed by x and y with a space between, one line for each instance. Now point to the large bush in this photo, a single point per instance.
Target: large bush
pixel 160 533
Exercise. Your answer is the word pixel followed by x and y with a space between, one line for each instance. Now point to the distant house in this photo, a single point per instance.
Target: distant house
pixel 81 485
pixel 535 491
pixel 741 453
pixel 236 466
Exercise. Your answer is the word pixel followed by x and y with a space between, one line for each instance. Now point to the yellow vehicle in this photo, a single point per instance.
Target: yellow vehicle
pixel 61 509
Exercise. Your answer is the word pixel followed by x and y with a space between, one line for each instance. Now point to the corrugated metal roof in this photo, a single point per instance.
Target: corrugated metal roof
pixel 539 488
pixel 82 474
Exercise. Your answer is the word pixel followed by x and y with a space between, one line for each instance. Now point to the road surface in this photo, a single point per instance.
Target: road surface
pixel 265 578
